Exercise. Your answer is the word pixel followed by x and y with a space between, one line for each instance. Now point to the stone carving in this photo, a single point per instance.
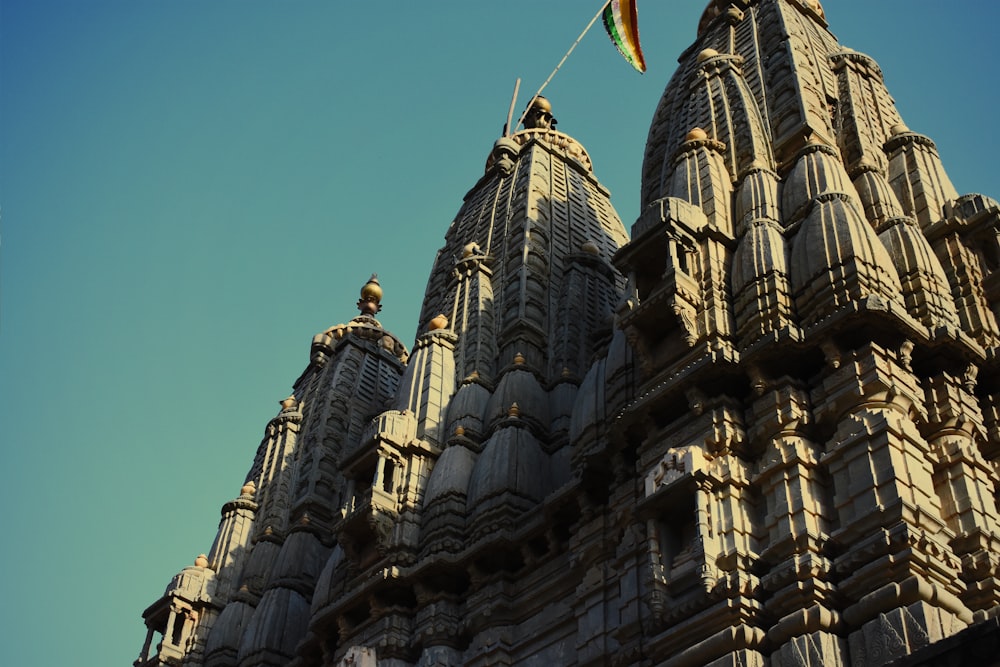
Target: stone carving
pixel 763 430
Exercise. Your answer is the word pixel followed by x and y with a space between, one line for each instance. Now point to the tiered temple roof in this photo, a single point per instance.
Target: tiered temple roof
pixel 765 430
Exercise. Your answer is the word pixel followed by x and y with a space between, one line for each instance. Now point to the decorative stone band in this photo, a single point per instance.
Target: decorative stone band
pixel 563 143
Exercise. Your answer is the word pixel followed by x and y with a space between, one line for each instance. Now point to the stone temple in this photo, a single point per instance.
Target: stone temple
pixel 763 428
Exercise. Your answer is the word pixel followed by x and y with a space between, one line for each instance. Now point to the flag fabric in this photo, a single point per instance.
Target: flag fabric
pixel 621 22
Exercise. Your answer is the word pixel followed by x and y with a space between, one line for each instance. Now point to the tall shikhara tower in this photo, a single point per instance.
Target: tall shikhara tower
pixel 765 431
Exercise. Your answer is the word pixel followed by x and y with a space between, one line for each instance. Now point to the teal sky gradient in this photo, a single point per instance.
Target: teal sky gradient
pixel 190 190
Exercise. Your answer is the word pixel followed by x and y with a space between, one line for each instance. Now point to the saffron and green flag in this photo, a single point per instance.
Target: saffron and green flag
pixel 621 22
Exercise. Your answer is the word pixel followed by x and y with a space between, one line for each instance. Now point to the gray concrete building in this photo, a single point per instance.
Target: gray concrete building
pixel 763 428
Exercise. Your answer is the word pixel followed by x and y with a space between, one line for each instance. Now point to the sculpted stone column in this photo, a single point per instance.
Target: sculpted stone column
pixel 798 577
pixel 898 574
pixel 966 483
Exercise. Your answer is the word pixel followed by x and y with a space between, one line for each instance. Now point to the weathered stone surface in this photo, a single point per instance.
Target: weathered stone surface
pixel 765 431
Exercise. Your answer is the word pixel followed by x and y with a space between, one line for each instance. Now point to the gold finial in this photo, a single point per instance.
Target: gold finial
pixel 514 411
pixel 439 322
pixel 201 560
pixel 371 296
pixel 706 54
pixel 542 103
pixel 289 403
pixel 566 372
pixel 696 134
pixel 518 358
pixel 539 115
pixel 248 489
pixel 459 430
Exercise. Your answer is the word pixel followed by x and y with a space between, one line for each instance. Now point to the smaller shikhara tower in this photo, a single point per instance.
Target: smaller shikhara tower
pixel 763 432
pixel 399 501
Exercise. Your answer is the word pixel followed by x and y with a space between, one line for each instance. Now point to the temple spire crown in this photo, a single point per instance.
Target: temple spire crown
pixel 371 297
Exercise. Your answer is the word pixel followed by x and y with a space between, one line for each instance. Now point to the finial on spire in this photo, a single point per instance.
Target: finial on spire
pixel 539 114
pixel 696 134
pixel 706 54
pixel 439 322
pixel 371 296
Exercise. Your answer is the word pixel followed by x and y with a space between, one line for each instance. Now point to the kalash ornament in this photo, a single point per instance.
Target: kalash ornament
pixel 371 297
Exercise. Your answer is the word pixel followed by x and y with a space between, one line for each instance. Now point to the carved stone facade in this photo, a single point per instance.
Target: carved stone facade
pixel 763 431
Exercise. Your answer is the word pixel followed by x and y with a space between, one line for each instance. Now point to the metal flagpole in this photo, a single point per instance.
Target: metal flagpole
pixel 520 120
pixel 510 111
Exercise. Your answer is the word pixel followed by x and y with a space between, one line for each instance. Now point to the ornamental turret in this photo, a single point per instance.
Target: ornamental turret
pixel 177 623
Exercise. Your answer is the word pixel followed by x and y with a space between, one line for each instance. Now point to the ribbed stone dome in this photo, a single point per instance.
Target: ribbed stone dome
pixel 466 409
pixel 324 593
pixel 224 640
pixel 299 562
pixel 258 569
pixel 519 386
pixel 589 406
pixel 277 626
pixel 452 473
pixel 512 462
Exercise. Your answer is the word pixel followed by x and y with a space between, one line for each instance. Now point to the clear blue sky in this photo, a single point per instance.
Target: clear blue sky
pixel 190 190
